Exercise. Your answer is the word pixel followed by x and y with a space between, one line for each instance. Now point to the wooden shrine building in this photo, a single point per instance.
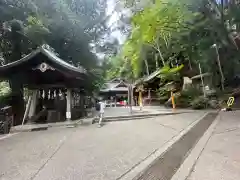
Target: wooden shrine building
pixel 56 87
pixel 115 90
pixel 148 85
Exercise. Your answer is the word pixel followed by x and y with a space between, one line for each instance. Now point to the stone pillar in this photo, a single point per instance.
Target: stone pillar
pixel 27 109
pixel 149 93
pixel 33 104
pixel 69 104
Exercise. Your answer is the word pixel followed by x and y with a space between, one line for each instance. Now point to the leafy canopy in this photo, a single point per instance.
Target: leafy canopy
pixel 159 20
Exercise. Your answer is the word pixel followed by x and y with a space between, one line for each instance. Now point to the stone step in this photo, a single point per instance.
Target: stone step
pixel 138 116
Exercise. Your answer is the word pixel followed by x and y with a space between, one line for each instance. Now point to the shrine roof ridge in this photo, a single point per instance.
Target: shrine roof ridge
pixel 51 56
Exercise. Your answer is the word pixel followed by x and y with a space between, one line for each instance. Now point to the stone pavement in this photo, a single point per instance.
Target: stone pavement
pixel 86 152
pixel 124 111
pixel 219 157
pixel 161 109
pixel 33 127
pixel 111 114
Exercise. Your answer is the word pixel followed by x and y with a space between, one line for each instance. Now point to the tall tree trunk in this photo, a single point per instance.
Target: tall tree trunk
pixel 220 68
pixel 220 13
pixel 160 53
pixel 166 43
pixel 143 56
pixel 17 102
pixel 189 63
pixel 147 67
pixel 203 86
pixel 156 61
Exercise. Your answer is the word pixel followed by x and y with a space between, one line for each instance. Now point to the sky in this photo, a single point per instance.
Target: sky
pixel 112 23
pixel 114 17
pixel 111 4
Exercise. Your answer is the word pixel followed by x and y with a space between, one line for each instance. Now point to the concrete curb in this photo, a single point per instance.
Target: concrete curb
pixel 7 136
pixel 139 169
pixel 40 127
pixel 139 116
pixel 188 165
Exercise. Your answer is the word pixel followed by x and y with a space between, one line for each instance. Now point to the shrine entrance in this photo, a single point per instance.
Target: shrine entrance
pixel 57 89
pixel 54 105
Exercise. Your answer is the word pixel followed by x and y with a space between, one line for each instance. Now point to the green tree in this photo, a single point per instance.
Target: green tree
pixel 72 28
pixel 154 26
pixel 16 85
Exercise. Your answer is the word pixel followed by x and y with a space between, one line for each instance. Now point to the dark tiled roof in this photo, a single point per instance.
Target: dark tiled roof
pixel 148 78
pixel 51 57
pixel 115 86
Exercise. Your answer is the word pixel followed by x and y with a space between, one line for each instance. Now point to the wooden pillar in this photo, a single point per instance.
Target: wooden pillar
pixel 69 104
pixel 111 101
pixel 173 100
pixel 33 104
pixel 140 100
pixel 27 109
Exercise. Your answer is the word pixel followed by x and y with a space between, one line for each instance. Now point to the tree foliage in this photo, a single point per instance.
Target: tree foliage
pixel 69 26
pixel 154 27
pixel 170 33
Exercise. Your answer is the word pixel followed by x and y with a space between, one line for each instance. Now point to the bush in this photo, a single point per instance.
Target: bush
pixel 191 92
pixel 185 97
pixel 4 88
pixel 163 94
pixel 182 102
pixel 214 104
pixel 5 100
pixel 199 103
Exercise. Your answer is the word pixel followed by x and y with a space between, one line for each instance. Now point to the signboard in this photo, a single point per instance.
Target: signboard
pixel 230 101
